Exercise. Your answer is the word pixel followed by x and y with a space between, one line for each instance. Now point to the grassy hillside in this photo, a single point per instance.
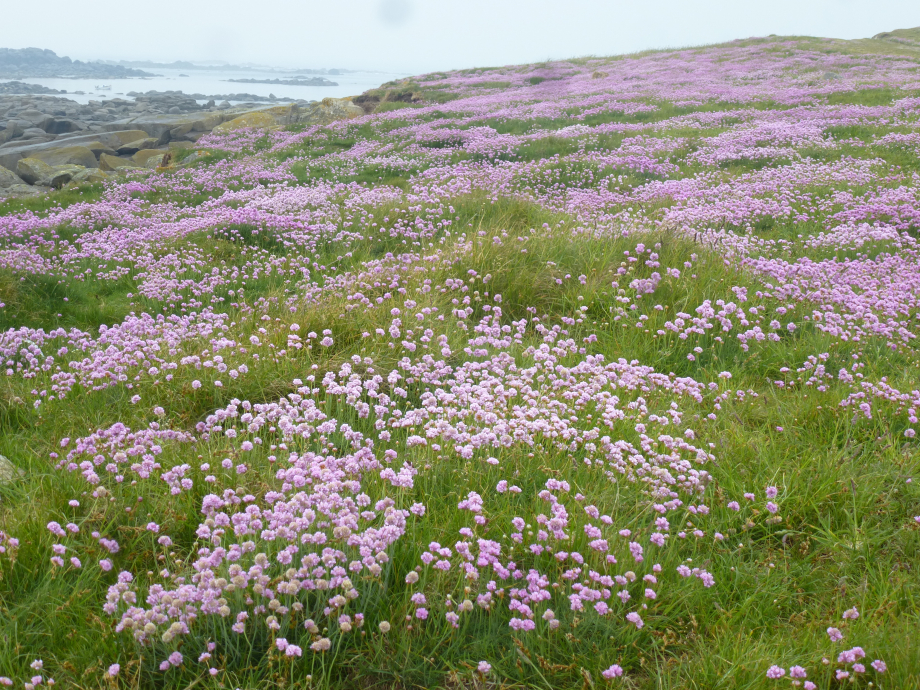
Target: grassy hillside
pixel 583 374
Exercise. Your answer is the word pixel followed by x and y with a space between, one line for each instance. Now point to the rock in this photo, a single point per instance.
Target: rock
pixel 180 132
pixel 90 176
pixel 12 130
pixel 14 150
pixel 8 471
pixel 33 132
pixel 8 178
pixel 37 118
pixel 147 158
pixel 159 126
pixel 37 172
pixel 64 126
pixel 327 111
pixel 109 163
pixel 137 145
pixel 68 155
pixel 126 136
pixel 18 191
pixel 34 171
pixel 193 158
pixel 261 120
pixel 98 148
pixel 175 110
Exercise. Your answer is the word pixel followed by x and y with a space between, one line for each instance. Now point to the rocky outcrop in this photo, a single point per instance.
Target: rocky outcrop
pixel 20 87
pixel 38 131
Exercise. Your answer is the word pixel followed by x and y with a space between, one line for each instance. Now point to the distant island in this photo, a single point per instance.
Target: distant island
pixel 23 63
pixel 295 81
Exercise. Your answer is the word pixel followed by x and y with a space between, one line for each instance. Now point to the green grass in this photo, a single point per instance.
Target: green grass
pixel 846 534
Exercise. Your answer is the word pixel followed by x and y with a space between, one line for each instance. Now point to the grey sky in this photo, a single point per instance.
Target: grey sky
pixel 422 35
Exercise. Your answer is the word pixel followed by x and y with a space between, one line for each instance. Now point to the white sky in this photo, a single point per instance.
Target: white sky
pixel 417 36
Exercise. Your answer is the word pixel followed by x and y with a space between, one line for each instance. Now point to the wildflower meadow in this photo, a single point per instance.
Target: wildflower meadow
pixel 600 373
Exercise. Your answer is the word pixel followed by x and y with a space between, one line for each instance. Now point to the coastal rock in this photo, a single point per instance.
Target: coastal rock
pixel 133 147
pixel 37 172
pixel 10 130
pixel 34 133
pixel 18 191
pixel 126 136
pixel 148 158
pixel 331 109
pixel 98 148
pixel 34 171
pixel 258 120
pixel 64 126
pixel 8 178
pixel 68 155
pixel 8 471
pixel 109 163
pixel 90 176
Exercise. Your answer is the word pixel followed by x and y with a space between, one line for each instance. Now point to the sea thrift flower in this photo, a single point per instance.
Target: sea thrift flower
pixel 614 671
pixel 776 672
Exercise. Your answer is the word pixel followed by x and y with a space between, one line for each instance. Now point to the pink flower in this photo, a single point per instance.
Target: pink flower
pixel 879 666
pixel 615 671
pixel 834 634
pixel 776 672
pixel 851 614
pixel 635 619
pixel 484 667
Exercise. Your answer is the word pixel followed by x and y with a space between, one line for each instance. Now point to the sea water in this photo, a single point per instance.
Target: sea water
pixel 214 82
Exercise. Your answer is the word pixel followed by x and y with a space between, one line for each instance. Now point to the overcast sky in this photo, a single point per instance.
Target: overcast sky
pixel 416 36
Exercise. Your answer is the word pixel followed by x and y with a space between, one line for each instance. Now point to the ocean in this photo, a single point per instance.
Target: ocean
pixel 214 82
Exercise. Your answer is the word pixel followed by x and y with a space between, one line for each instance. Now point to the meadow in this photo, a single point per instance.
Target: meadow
pixel 599 373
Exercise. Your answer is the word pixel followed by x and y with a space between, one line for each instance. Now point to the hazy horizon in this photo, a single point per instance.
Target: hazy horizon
pixel 409 36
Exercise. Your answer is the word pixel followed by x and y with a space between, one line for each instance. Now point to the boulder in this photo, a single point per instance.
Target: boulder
pixel 109 163
pixel 14 150
pixel 39 173
pixel 8 471
pixel 11 131
pixel 8 178
pixel 259 120
pixel 329 110
pixel 33 132
pixel 68 155
pixel 98 148
pixel 36 118
pixel 18 191
pixel 159 126
pixel 64 126
pixel 90 176
pixel 126 136
pixel 147 158
pixel 133 147
pixel 34 171
pixel 180 132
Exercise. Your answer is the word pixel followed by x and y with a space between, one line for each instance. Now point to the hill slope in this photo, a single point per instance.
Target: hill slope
pixel 589 373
